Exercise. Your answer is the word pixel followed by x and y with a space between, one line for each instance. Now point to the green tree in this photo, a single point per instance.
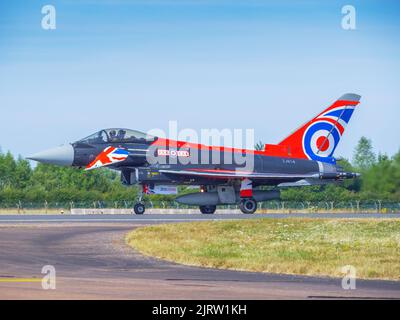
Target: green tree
pixel 364 156
pixel 259 146
pixel 7 169
pixel 23 173
pixel 383 178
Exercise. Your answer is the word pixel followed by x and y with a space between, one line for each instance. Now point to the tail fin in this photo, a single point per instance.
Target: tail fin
pixel 318 138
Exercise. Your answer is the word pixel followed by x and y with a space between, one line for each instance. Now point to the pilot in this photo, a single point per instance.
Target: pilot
pixel 113 135
pixel 121 134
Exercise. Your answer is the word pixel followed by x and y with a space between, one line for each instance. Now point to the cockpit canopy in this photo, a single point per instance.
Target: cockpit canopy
pixel 118 135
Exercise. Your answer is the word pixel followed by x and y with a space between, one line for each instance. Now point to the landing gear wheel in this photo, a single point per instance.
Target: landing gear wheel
pixel 208 209
pixel 248 205
pixel 139 208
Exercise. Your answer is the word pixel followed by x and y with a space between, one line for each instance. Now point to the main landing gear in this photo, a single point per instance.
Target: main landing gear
pixel 208 209
pixel 248 205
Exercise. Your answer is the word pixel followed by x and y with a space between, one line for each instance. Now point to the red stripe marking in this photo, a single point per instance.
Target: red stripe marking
pixel 246 193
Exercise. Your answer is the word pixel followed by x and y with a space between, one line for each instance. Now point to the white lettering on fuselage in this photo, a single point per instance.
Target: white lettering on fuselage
pixel 288 161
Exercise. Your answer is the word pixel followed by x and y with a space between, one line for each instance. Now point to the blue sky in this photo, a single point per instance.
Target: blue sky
pixel 266 65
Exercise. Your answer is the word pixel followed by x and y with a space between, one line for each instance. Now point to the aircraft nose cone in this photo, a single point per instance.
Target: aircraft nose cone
pixel 61 156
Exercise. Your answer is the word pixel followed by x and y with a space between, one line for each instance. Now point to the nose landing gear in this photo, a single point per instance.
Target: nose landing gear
pixel 139 207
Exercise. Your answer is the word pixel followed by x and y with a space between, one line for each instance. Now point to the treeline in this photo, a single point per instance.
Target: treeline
pixel 380 179
pixel 20 182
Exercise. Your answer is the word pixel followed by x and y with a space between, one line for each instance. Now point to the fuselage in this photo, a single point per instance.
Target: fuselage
pixel 178 155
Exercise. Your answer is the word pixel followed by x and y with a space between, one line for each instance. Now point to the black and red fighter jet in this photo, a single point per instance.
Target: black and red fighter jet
pixel 225 175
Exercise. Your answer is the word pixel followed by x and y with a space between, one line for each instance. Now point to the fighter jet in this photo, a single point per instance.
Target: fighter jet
pixel 158 164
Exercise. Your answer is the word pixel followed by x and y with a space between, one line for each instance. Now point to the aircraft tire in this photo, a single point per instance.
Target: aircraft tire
pixel 208 209
pixel 248 206
pixel 139 208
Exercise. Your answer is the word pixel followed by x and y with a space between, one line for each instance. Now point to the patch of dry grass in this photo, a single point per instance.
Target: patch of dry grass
pixel 291 246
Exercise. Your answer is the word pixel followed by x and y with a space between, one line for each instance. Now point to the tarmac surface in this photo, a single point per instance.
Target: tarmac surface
pixel 92 261
pixel 164 218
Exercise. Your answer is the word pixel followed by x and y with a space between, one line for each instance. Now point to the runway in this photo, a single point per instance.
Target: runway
pixel 93 262
pixel 163 218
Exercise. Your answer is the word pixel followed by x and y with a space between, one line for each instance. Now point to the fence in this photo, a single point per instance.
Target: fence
pixel 270 206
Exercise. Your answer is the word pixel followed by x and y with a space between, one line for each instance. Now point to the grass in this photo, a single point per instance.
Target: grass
pixel 290 246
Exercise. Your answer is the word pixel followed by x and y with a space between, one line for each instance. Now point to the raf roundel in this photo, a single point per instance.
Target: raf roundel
pixel 320 140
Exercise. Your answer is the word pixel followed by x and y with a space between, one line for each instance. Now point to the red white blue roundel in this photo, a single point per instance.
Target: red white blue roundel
pixel 322 136
pixel 320 140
